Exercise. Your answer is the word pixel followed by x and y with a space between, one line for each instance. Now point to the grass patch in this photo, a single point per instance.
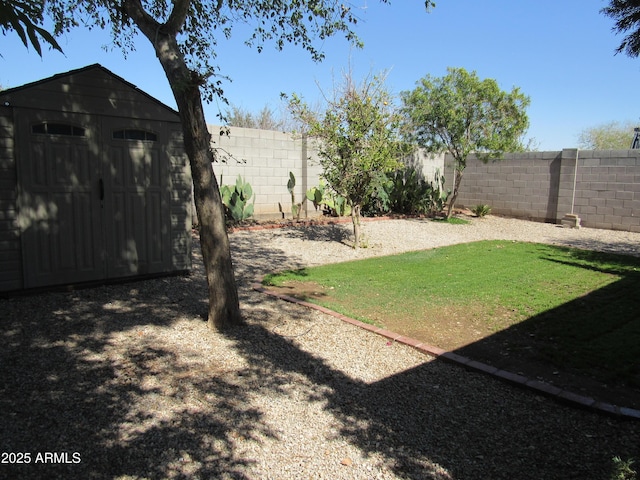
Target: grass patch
pixel 452 221
pixel 562 307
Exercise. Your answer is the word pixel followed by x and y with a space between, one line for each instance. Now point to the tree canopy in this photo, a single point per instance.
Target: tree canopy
pixel 24 17
pixel 201 27
pixel 608 136
pixel 461 114
pixel 626 14
pixel 265 119
pixel 357 139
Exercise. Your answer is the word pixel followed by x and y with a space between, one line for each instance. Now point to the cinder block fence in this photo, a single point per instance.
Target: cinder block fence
pixel 264 158
pixel 602 188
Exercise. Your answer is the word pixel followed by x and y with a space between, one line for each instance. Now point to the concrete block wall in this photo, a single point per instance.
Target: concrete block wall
pixel 533 185
pixel 431 165
pixel 518 186
pixel 540 186
pixel 608 189
pixel 264 158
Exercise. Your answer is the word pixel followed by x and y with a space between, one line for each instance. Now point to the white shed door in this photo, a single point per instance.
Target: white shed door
pixel 94 200
pixel 136 200
pixel 60 213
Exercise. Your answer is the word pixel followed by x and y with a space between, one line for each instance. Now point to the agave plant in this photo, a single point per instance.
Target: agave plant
pixel 481 210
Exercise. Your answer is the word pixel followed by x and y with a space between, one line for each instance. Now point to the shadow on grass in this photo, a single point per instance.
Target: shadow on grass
pixel 590 345
pixel 82 372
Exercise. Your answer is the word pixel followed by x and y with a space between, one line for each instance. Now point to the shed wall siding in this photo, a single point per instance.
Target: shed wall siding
pixel 10 252
pixel 90 91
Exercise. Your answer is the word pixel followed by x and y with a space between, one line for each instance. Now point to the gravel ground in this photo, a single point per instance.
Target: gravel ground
pixel 125 381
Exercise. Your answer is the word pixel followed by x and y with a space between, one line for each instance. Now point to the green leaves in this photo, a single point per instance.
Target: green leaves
pixel 21 17
pixel 315 195
pixel 199 26
pixel 626 13
pixel 459 113
pixel 357 136
pixel 607 136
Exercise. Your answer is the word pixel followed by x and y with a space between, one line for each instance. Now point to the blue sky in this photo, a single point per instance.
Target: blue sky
pixel 559 52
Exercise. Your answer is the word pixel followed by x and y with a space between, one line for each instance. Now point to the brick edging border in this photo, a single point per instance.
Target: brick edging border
pixel 542 388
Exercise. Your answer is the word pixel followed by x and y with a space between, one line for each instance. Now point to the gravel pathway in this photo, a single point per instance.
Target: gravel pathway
pixel 130 379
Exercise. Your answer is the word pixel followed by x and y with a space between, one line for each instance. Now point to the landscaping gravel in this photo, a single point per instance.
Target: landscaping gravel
pixel 126 381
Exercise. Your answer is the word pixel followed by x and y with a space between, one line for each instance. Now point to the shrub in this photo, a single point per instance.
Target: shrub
pixel 379 202
pixel 296 208
pixel 335 205
pixel 316 195
pixel 408 193
pixel 438 196
pixel 623 470
pixel 481 210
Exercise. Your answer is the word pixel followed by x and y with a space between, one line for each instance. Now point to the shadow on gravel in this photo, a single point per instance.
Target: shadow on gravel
pixel 609 246
pixel 420 419
pixel 66 387
pixel 252 259
pixel 83 372
pixel 340 233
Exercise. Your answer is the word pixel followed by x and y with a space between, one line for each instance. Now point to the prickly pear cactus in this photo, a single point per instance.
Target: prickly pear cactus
pixel 296 208
pixel 238 200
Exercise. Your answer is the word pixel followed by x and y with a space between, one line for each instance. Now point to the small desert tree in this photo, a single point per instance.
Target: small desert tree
pixel 461 114
pixel 608 136
pixel 357 140
pixel 266 119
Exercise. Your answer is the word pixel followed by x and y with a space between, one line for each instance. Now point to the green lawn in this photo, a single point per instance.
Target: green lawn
pixel 567 307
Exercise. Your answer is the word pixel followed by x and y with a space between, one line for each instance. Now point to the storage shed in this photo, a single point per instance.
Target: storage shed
pixel 94 183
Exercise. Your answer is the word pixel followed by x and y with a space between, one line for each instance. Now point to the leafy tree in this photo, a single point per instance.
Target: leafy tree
pixel 185 35
pixel 358 140
pixel 608 136
pixel 23 17
pixel 461 114
pixel 265 120
pixel 626 13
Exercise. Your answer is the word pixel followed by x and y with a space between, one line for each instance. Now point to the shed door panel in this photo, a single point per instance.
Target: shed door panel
pixel 93 206
pixel 137 215
pixel 59 208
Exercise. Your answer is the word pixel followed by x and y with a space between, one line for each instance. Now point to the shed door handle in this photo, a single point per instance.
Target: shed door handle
pixel 101 184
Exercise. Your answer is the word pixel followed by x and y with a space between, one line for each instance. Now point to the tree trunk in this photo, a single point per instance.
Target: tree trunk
pixel 224 308
pixel 355 219
pixel 454 195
